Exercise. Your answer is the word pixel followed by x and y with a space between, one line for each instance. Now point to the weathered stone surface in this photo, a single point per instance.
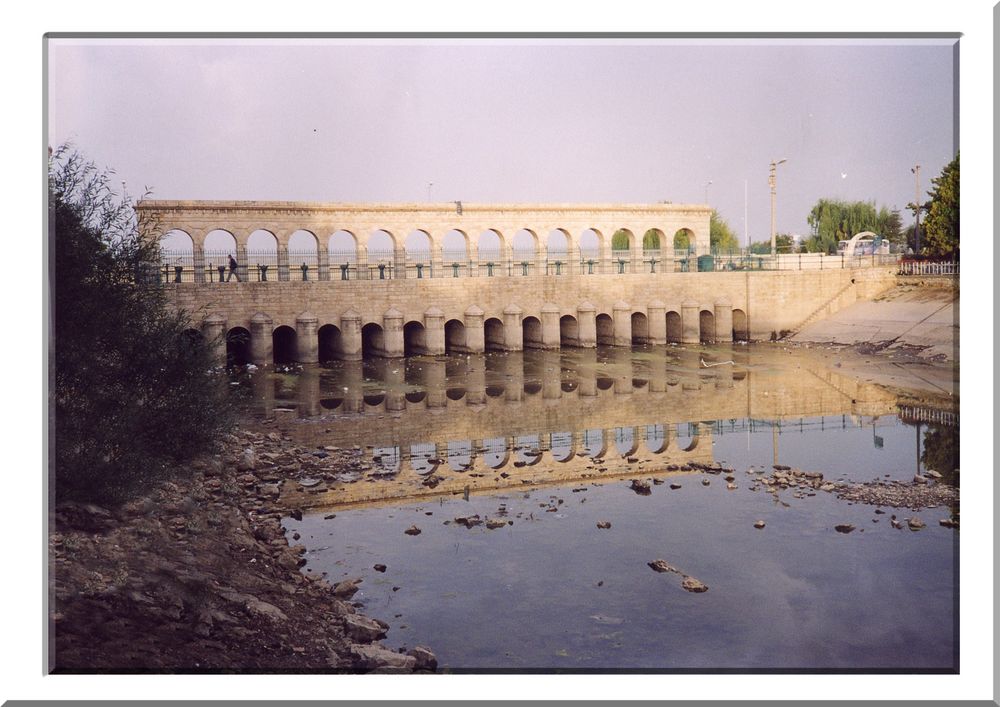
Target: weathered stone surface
pixel 364 629
pixel 843 528
pixel 426 660
pixel 691 584
pixel 373 657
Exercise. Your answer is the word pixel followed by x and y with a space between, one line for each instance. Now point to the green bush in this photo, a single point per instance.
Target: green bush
pixel 132 393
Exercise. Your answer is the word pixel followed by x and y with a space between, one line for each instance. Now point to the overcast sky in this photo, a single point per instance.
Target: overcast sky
pixel 506 121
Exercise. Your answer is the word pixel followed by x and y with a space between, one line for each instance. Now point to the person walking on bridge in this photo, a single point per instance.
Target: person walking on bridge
pixel 233 270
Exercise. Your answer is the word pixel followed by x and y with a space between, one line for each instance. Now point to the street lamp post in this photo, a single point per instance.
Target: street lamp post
pixel 916 208
pixel 772 182
pixel 706 190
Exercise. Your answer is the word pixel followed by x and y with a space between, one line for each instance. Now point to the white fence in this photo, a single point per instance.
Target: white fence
pixel 927 268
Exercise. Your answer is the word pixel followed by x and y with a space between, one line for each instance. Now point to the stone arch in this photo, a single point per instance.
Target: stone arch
pixel 497 453
pixel 741 328
pixel 342 252
pixel 284 345
pixel 594 443
pixel 219 244
pixel 656 438
pixel 693 432
pixel 626 441
pixel 493 334
pixel 455 340
pixel 684 240
pixel 262 256
pixel 640 328
pixel 303 249
pixel 380 252
pixel 331 345
pixel 528 449
pixel 531 329
pixel 237 346
pixel 414 339
pixel 557 244
pixel 675 328
pixel 372 340
pixel 623 247
pixel 490 245
pixel 605 330
pixel 177 251
pixel 455 251
pixel 418 246
pixel 706 325
pixel 569 331
pixel 561 446
pixel 525 248
pixel 591 251
pixel 653 240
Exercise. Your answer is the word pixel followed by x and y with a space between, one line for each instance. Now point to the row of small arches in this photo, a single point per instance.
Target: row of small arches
pixel 285 345
pixel 456 244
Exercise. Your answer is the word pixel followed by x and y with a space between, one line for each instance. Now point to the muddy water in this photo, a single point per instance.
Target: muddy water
pixel 547 445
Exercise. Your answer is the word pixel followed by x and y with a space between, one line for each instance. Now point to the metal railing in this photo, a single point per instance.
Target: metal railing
pixel 387 264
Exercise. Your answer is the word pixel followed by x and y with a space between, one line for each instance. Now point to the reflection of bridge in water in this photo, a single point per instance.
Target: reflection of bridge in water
pixel 543 416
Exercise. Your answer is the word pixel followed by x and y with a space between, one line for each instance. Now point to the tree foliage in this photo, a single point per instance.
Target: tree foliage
pixel 832 221
pixel 782 241
pixel 721 235
pixel 941 229
pixel 132 392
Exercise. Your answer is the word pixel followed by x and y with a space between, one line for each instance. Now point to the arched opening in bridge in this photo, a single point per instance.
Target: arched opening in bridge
pixel 219 245
pixel 373 400
pixel 176 251
pixel 331 345
pixel 381 256
pixel 303 249
pixel 591 244
pixel 283 343
pixel 455 253
pixel 524 248
pixel 622 247
pixel 640 328
pixel 569 331
pixel 605 383
pixel 675 330
pixel 262 256
pixel 557 254
pixel 706 325
pixel 372 340
pixel 625 441
pixel 561 446
pixel 454 337
pixel 386 460
pixel 342 250
pixel 652 240
pixel 741 330
pixel 414 339
pixel 496 453
pixel 418 254
pixel 455 392
pixel 460 455
pixel 415 396
pixel 687 436
pixel 532 387
pixel 656 438
pixel 237 346
pixel 495 391
pixel 528 449
pixel 605 330
pixel 531 329
pixel 490 253
pixel 594 443
pixel 684 240
pixel 493 333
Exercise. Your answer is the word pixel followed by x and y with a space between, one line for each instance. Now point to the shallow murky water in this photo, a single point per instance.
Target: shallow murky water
pixel 550 441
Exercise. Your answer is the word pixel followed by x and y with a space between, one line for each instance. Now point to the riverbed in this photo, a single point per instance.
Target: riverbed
pixel 504 509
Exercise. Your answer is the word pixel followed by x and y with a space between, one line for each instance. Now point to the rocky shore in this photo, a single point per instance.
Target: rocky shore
pixel 197 576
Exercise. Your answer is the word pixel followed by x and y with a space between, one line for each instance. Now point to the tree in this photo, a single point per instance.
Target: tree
pixel 782 241
pixel 833 221
pixel 941 229
pixel 721 235
pixel 133 395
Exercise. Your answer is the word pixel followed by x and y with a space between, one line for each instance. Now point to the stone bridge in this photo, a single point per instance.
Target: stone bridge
pixel 580 293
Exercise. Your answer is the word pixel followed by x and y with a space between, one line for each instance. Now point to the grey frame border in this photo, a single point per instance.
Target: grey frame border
pixel 47 286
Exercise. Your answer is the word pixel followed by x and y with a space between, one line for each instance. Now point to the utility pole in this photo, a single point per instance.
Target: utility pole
pixel 429 186
pixel 772 181
pixel 746 231
pixel 706 190
pixel 916 208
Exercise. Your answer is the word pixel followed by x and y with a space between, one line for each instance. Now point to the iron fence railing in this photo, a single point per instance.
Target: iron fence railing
pixel 386 264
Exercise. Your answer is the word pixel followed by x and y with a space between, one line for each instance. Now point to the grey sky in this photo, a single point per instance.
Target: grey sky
pixel 505 121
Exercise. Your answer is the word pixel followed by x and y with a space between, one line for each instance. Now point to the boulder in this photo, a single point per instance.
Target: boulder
pixel 660 566
pixel 425 659
pixel 691 584
pixel 373 657
pixel 363 629
pixel 759 524
pixel 412 530
pixel 347 588
pixel 603 524
pixel 843 528
pixel 915 523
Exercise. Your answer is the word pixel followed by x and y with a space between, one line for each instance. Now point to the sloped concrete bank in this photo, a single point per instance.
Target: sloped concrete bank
pixel 197 576
pixel 918 317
